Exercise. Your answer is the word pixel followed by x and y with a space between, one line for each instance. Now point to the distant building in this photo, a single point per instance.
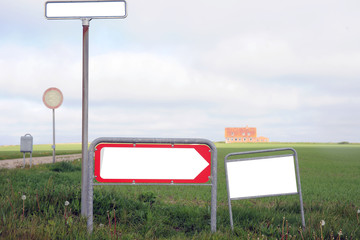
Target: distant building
pixel 246 134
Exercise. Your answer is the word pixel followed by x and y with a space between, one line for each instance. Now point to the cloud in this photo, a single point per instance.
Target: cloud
pixel 269 56
pixel 186 69
pixel 150 94
pixel 28 72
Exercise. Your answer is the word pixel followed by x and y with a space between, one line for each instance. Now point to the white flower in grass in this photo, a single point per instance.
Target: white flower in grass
pixel 67 203
pixel 101 225
pixel 322 222
pixel 340 233
pixel 23 197
pixel 358 211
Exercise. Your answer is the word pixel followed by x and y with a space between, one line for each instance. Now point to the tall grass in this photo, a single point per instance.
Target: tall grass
pixel 329 175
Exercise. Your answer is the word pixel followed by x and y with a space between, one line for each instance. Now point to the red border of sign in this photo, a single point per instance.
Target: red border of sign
pixel 53 89
pixel 203 150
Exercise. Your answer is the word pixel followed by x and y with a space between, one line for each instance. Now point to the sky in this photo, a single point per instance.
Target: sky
pixel 185 69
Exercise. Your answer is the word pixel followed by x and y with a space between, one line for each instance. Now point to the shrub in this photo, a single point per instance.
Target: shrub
pixel 64 167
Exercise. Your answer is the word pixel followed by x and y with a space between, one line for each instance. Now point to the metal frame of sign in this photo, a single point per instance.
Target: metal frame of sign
pixel 168 142
pixel 294 154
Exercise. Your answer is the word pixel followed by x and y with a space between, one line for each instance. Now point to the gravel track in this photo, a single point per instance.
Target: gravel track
pixel 17 163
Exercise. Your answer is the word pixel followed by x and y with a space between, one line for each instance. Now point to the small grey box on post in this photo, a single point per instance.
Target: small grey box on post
pixel 26 145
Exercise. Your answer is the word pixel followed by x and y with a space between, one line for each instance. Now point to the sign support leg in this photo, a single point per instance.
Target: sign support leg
pixel 213 191
pixel 229 200
pixel 299 190
pixel 90 192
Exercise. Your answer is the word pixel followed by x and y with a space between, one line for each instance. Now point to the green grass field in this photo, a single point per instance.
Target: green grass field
pixel 13 151
pixel 330 184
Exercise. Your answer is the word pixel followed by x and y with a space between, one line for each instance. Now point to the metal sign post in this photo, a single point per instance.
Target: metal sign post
pixel 85 11
pixel 53 146
pixel 52 99
pixel 85 115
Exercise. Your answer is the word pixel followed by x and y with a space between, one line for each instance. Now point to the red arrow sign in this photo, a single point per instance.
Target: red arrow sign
pixel 152 163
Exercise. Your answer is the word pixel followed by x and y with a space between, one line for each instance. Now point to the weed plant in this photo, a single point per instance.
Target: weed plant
pixel 43 202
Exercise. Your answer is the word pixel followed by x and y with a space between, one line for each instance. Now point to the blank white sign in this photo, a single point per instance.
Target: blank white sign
pixel 261 177
pixel 82 9
pixel 151 163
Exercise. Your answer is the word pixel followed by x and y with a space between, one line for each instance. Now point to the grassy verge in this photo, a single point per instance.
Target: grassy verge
pixel 329 175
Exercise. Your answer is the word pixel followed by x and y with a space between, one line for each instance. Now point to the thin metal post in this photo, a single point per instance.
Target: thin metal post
pixel 85 104
pixel 299 190
pixel 30 159
pixel 213 188
pixel 228 194
pixel 53 146
pixel 90 193
pixel 24 159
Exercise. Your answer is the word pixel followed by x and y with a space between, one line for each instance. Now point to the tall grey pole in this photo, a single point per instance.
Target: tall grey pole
pixel 85 103
pixel 53 146
pixel 85 15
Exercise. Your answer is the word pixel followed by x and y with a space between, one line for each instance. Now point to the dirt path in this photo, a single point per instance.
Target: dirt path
pixel 15 163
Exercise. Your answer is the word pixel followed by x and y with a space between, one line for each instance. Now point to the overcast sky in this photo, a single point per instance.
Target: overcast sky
pixel 186 68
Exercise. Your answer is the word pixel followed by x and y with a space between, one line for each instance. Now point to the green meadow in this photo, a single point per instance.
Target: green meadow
pixel 329 178
pixel 40 150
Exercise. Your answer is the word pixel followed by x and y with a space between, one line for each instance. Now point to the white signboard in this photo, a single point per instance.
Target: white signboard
pixel 258 177
pixel 152 163
pixel 85 9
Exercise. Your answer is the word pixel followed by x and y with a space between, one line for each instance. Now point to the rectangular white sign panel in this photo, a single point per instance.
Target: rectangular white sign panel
pixel 258 177
pixel 85 9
